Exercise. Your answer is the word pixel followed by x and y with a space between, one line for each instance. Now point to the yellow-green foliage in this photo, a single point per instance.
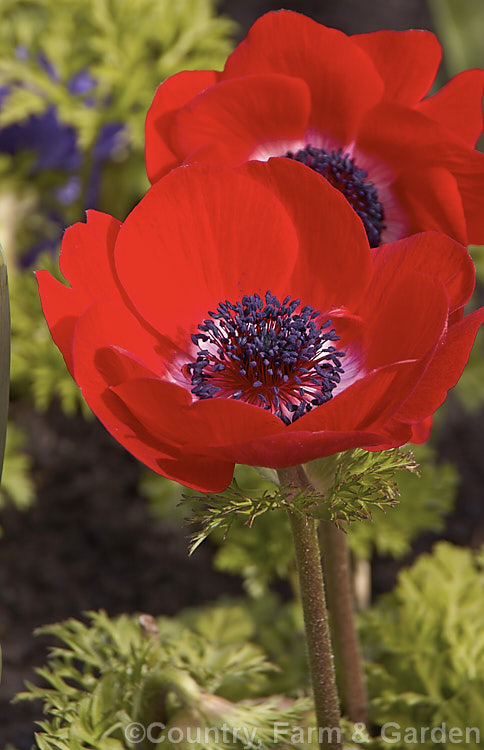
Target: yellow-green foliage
pixel 356 483
pixel 424 501
pixel 425 642
pixel 129 47
pixel 210 666
pixel 17 486
pixel 265 554
pixel 110 673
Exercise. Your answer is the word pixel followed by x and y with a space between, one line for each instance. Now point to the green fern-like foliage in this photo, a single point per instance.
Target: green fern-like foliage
pixel 128 48
pixel 345 487
pixel 357 483
pixel 241 664
pixel 261 554
pixel 169 501
pixel 265 555
pixel 425 642
pixel 277 628
pixel 424 501
pixel 17 486
pixel 111 672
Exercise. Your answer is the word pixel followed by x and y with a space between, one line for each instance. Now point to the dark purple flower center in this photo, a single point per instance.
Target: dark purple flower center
pixel 340 170
pixel 265 353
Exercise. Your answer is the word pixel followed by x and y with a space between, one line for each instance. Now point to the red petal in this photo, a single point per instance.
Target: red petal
pixel 227 429
pixel 201 427
pixel 201 235
pixel 366 405
pixel 405 139
pixel 393 435
pixel 406 60
pixel 293 448
pixel 432 202
pixel 113 325
pixel 458 105
pixel 332 241
pixel 421 431
pixel 202 474
pixel 397 433
pixel 169 97
pixel 244 112
pixel 232 431
pixel 471 187
pixel 430 253
pixel 444 371
pixel 343 81
pixel 62 306
pixel 408 140
pixel 86 258
pixel 407 320
pixel 85 261
pixel 100 363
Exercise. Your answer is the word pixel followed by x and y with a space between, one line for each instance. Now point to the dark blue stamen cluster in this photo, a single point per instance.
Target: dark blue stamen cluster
pixel 340 170
pixel 264 352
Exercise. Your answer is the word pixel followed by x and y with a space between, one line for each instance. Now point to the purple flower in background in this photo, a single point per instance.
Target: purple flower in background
pixel 81 82
pixel 54 142
pixel 70 191
pixel 43 61
pixel 108 141
pixel 55 147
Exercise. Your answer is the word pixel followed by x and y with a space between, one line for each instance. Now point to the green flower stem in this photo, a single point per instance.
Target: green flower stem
pixel 308 559
pixel 337 576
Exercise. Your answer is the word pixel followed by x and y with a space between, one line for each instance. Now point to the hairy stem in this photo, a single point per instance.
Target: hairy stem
pixel 308 559
pixel 337 576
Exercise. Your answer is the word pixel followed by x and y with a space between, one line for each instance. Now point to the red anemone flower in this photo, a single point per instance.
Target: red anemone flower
pixel 230 320
pixel 349 107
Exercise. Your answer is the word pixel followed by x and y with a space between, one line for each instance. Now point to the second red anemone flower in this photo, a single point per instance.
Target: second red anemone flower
pixel 351 108
pixel 230 320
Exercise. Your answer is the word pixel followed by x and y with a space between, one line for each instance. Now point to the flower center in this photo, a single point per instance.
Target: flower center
pixel 265 353
pixel 340 170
